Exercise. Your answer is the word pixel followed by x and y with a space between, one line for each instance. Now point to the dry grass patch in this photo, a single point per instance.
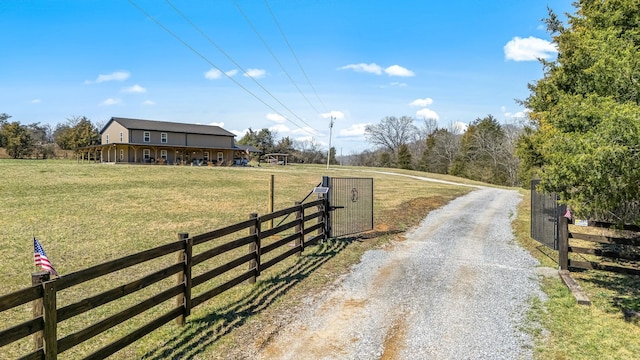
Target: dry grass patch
pixel 86 214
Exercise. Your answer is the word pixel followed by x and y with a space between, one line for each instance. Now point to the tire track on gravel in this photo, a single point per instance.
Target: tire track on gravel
pixel 434 295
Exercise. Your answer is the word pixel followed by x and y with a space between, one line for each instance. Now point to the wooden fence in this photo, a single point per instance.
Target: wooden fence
pixel 610 252
pixel 290 237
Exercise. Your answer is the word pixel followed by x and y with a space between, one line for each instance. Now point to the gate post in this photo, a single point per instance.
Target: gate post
pixel 563 242
pixel 326 182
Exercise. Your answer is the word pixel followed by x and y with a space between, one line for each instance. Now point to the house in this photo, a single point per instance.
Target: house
pixel 126 140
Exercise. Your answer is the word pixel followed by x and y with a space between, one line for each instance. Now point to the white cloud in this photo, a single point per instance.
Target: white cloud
pixel 255 73
pixel 398 84
pixel 148 102
pixel 372 68
pixel 427 114
pixel 529 49
pixel 514 116
pixel 308 138
pixel 280 128
pixel 114 76
pixel 221 124
pixel 353 130
pixel 276 118
pixel 306 130
pixel 111 101
pixel 422 102
pixel 214 73
pixel 336 115
pixel 397 70
pixel 36 101
pixel 239 133
pixel 134 89
pixel 460 127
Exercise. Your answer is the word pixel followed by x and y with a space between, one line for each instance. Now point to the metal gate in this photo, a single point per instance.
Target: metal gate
pixel 545 211
pixel 350 205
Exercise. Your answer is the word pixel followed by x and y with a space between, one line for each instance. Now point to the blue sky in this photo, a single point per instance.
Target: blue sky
pixel 359 61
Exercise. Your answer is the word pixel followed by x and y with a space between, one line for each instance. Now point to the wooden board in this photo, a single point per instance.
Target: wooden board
pixel 576 290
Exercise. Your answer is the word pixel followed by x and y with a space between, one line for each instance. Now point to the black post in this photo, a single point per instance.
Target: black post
pixel 326 182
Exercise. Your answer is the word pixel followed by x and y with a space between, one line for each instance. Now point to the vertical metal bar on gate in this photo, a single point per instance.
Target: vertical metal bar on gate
pixel 326 182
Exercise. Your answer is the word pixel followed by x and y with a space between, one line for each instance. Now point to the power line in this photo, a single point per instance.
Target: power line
pixel 264 42
pixel 213 65
pixel 295 56
pixel 233 61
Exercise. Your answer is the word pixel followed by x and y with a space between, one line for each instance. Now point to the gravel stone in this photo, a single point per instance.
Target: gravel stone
pixel 458 287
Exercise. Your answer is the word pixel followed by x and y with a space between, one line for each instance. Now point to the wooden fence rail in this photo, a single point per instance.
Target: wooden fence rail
pixel 44 324
pixel 600 246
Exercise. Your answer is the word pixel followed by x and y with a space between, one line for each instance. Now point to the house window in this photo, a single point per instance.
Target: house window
pixel 107 138
pixel 147 136
pixel 146 154
pixel 163 138
pixel 121 154
pixel 206 156
pixel 163 154
pixel 220 157
pixel 121 136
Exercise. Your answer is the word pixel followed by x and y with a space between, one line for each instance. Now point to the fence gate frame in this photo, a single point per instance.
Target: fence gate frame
pixel 350 208
pixel 545 212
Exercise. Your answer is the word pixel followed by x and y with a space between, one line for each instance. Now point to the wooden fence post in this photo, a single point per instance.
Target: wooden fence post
pixel 50 333
pixel 563 242
pixel 271 199
pixel 38 278
pixel 254 248
pixel 300 228
pixel 181 279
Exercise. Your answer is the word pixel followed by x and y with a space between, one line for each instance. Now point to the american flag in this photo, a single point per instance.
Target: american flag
pixel 568 214
pixel 41 258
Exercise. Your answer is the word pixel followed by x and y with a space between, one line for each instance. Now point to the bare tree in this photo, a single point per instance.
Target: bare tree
pixel 391 132
pixel 418 147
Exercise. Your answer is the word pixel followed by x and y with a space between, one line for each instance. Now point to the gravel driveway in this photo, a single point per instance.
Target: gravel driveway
pixel 458 287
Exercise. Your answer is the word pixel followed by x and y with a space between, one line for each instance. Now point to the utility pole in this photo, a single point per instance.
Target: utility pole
pixel 330 134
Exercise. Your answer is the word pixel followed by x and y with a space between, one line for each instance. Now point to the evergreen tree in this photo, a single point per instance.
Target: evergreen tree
pixel 584 141
pixel 404 157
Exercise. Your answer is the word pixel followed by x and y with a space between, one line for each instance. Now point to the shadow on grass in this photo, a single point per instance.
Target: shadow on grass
pixel 626 287
pixel 199 334
pixel 548 252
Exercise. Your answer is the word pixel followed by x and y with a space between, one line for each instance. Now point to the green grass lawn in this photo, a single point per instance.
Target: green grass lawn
pixel 576 331
pixel 86 214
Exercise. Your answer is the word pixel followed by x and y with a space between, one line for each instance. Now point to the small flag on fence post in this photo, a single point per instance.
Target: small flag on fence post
pixel 41 259
pixel 568 214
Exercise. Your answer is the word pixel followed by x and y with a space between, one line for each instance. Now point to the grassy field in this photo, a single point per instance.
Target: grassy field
pixel 85 214
pixel 576 331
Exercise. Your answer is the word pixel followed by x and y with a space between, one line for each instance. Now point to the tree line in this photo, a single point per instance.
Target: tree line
pixel 43 141
pixel 484 152
pixel 299 151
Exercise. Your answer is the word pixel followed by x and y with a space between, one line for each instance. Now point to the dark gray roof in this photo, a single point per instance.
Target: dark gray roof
pixel 153 125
